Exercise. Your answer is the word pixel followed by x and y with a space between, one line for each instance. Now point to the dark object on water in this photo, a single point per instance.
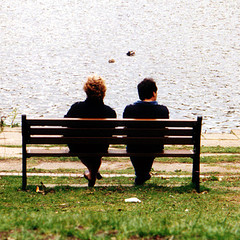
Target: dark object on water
pixel 130 53
pixel 111 61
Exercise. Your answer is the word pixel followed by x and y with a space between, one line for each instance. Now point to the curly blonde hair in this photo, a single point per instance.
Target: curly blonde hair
pixel 95 87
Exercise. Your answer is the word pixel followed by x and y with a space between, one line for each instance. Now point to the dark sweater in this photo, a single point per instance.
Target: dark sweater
pixel 147 110
pixel 143 109
pixel 89 109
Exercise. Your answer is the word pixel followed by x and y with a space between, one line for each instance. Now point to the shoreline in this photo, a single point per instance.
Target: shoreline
pixel 13 137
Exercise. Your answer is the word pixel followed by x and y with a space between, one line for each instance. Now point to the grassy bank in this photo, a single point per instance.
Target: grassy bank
pixel 169 209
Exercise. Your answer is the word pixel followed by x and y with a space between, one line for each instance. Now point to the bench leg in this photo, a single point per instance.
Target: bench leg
pixel 196 173
pixel 24 173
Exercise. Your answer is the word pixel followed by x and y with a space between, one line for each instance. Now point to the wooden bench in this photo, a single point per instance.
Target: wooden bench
pixel 110 131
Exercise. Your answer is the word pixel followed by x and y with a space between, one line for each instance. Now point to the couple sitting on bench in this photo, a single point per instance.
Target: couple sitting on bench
pixel 94 107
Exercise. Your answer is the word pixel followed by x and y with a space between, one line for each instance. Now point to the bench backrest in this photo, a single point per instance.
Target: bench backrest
pixel 111 131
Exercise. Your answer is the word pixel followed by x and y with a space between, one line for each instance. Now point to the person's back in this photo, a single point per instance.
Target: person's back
pixel 92 107
pixel 146 108
pixel 142 109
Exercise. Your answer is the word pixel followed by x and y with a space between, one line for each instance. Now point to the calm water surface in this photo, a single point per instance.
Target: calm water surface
pixel 191 48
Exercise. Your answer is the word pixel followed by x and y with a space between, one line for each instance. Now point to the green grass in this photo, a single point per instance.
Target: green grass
pixel 204 149
pixel 169 209
pixel 219 149
pixel 204 159
pixel 214 149
pixel 11 146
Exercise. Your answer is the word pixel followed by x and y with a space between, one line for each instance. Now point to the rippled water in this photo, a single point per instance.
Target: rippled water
pixel 191 48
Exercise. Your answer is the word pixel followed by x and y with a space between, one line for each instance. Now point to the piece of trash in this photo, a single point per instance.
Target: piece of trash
pixel 39 191
pixel 132 200
pixel 186 210
pixel 43 189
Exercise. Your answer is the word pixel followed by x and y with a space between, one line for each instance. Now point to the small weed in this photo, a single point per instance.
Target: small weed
pixel 13 116
pixel 2 123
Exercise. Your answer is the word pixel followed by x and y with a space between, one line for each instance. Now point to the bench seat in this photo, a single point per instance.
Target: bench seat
pixel 64 152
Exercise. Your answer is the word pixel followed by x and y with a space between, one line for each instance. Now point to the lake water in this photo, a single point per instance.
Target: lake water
pixel 191 48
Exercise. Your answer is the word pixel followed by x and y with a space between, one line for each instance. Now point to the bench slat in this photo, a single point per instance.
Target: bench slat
pixel 111 140
pixel 34 152
pixel 110 131
pixel 108 121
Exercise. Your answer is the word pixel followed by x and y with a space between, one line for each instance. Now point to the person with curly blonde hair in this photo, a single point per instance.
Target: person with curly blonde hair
pixel 95 87
pixel 92 107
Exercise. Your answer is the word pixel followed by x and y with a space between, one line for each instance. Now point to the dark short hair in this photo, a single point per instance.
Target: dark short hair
pixel 146 88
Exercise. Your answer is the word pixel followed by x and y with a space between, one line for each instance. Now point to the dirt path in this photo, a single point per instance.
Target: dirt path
pixel 16 165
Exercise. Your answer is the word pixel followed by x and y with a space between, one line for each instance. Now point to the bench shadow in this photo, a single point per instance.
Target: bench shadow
pixel 185 188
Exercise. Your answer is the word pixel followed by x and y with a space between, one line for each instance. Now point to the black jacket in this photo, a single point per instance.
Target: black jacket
pixel 89 109
pixel 147 110
pixel 143 109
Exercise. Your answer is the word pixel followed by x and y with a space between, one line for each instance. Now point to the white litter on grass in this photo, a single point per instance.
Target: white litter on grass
pixel 132 200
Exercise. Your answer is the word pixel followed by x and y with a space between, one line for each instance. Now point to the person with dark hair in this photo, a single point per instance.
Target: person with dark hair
pixel 92 107
pixel 147 108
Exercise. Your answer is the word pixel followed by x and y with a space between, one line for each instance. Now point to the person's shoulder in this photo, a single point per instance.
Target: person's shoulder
pixel 77 105
pixel 129 111
pixel 110 110
pixel 163 110
pixel 130 106
pixel 73 109
pixel 162 106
